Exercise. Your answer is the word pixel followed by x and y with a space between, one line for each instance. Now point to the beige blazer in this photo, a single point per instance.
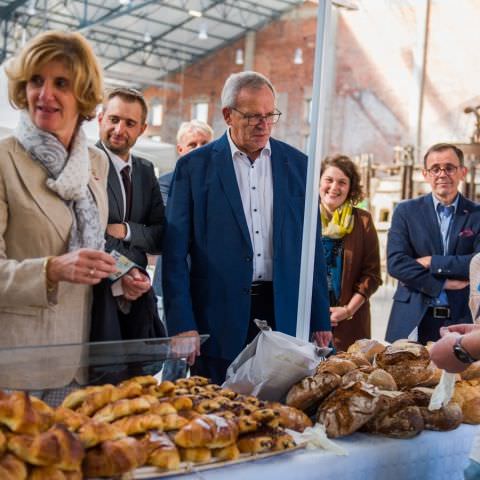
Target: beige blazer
pixel 35 223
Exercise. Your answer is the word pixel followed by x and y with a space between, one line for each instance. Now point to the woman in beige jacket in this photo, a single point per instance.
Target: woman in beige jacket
pixel 53 202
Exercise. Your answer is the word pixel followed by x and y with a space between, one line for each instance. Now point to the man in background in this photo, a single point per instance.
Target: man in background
pixel 430 244
pixel 135 221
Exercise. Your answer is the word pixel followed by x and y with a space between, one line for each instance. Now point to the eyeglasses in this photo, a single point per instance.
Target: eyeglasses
pixel 254 120
pixel 448 170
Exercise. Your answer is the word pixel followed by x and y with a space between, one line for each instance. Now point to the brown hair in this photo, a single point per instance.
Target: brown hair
pixel 440 147
pixel 71 49
pixel 346 165
pixel 129 95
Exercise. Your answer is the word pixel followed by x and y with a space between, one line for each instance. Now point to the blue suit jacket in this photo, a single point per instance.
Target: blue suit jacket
pixel 205 220
pixel 415 233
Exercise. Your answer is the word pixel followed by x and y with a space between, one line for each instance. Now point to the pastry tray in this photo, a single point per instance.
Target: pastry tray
pixel 151 473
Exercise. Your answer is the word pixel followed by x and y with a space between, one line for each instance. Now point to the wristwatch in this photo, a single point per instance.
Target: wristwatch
pixel 460 353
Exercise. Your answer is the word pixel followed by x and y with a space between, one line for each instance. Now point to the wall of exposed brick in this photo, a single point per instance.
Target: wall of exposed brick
pixel 372 105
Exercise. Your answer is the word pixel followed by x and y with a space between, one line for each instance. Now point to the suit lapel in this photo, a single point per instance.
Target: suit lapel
pixel 279 177
pixel 222 156
pixel 115 197
pixel 429 221
pixel 459 219
pixel 34 177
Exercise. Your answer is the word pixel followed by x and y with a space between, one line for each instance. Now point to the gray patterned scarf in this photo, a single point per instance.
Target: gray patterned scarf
pixel 68 175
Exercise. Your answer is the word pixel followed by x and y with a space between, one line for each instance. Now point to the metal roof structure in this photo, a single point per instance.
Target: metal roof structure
pixel 140 41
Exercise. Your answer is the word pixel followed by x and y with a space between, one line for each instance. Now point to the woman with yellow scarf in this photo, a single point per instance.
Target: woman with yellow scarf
pixel 352 255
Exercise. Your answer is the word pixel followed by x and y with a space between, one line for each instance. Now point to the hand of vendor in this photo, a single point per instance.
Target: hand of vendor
pixel 322 338
pixel 462 329
pixel 187 347
pixel 135 284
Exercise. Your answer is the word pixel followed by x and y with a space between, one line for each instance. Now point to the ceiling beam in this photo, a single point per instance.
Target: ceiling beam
pixel 7 10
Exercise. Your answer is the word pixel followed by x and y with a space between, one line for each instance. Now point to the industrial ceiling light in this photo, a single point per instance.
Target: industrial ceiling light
pixel 202 32
pixel 298 57
pixel 147 37
pixel 239 56
pixel 124 2
pixel 31 8
pixel 195 13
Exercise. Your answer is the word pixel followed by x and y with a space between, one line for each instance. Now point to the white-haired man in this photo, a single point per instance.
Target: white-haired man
pixel 236 210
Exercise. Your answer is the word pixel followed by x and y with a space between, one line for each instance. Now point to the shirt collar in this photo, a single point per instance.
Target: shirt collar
pixel 237 152
pixel 118 163
pixel 454 204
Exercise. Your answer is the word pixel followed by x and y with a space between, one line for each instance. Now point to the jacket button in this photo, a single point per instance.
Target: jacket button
pixel 439 270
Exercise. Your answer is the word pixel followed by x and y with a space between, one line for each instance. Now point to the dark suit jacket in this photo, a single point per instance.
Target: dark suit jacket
pixel 415 233
pixel 147 215
pixel 164 183
pixel 146 227
pixel 205 219
pixel 360 274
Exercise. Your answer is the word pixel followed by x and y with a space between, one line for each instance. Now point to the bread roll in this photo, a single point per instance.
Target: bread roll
pixel 367 347
pixel 358 358
pixel 348 408
pixel 467 395
pixel 311 390
pixel 382 379
pixel 406 422
pixel 335 364
pixel 446 418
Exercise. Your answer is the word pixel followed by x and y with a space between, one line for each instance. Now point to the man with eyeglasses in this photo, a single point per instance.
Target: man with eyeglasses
pixel 430 244
pixel 236 207
pixel 135 222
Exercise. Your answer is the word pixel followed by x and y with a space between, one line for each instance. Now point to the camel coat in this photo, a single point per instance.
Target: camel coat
pixel 35 223
pixel 360 274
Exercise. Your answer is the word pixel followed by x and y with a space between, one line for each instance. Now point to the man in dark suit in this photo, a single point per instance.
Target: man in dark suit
pixel 430 244
pixel 135 221
pixel 236 208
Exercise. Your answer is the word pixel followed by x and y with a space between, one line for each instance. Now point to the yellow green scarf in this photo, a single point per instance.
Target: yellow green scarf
pixel 341 222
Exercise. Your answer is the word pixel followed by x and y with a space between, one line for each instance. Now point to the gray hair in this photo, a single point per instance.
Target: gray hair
pixel 194 126
pixel 236 81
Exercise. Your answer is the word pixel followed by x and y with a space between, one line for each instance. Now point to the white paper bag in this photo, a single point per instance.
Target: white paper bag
pixel 271 364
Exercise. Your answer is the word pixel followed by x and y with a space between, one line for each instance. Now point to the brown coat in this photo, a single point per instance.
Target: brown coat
pixel 35 223
pixel 360 274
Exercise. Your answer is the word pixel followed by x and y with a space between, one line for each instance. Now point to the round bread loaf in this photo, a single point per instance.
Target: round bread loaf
pixel 368 347
pixel 348 408
pixel 407 362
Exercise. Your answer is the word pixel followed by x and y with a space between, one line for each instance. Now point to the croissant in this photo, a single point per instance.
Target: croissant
pixel 11 468
pixel 19 415
pixel 196 454
pixel 163 452
pixel 52 473
pixel 95 400
pixel 253 443
pixel 70 418
pixel 209 431
pixel 182 403
pixel 92 433
pixel 173 421
pixel 77 397
pixel 231 452
pixel 3 443
pixel 163 408
pixel 122 408
pixel 143 380
pixel 114 457
pixel 57 447
pixel 139 423
pixel 160 390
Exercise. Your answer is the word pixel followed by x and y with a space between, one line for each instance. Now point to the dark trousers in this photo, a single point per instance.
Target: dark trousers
pixel 429 327
pixel 261 308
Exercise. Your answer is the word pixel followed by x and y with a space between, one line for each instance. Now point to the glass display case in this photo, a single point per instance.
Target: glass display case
pixel 52 371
